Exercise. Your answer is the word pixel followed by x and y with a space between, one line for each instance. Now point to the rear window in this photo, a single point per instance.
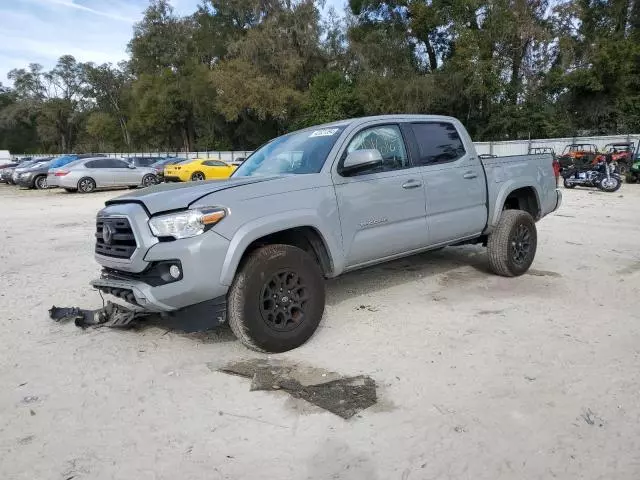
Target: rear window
pixel 214 163
pixel 61 161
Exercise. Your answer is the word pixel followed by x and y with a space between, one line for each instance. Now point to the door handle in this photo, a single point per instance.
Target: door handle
pixel 411 184
pixel 470 175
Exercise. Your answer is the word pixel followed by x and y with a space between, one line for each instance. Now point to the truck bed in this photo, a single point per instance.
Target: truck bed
pixel 505 174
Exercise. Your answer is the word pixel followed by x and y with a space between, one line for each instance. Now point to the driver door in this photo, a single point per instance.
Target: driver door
pixel 382 210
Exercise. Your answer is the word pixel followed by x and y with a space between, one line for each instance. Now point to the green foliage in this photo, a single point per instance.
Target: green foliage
pixel 238 72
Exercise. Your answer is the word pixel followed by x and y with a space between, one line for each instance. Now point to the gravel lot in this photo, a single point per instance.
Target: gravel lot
pixel 479 377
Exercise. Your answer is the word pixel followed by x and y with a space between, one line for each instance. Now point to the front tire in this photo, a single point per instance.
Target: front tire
pixel 567 184
pixel 512 245
pixel 197 177
pixel 149 180
pixel 609 185
pixel 277 299
pixel 86 185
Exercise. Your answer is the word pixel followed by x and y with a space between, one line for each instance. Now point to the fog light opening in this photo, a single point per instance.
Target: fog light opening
pixel 174 271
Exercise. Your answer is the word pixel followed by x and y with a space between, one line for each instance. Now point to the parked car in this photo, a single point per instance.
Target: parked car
pixel 86 175
pixel 24 166
pixel 198 169
pixel 6 171
pixel 316 203
pixel 159 165
pixel 35 176
pixel 143 161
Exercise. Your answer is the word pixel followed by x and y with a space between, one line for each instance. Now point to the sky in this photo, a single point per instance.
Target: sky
pixel 40 31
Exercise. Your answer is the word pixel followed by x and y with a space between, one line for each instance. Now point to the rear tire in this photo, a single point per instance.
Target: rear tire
pixel 512 245
pixel 567 184
pixel 86 185
pixel 197 176
pixel 277 299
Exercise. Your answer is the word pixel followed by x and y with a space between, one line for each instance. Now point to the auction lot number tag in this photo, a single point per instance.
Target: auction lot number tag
pixel 326 132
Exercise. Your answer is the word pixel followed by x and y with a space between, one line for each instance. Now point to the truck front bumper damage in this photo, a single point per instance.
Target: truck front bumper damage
pixel 193 294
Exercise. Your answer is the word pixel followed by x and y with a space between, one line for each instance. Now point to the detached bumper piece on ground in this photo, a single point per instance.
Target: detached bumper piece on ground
pixel 111 315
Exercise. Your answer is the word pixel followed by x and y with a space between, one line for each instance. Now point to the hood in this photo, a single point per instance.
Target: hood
pixel 177 196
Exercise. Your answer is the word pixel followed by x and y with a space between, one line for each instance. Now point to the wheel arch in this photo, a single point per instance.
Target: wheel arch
pixel 517 196
pixel 304 231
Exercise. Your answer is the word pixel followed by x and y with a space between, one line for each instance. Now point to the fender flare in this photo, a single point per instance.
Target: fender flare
pixel 506 189
pixel 278 222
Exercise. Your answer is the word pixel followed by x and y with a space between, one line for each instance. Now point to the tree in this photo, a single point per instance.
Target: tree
pixel 108 87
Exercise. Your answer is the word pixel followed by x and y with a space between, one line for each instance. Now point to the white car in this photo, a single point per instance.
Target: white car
pixel 88 174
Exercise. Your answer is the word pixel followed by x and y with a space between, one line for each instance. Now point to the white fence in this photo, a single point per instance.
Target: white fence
pixel 503 148
pixel 521 147
pixel 224 156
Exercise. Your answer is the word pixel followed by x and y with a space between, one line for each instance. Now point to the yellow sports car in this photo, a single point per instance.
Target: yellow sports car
pixel 198 169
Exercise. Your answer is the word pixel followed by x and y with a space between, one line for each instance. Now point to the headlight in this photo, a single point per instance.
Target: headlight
pixel 186 224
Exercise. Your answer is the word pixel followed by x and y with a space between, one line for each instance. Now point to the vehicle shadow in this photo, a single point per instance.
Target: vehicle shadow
pixel 361 282
pixel 390 274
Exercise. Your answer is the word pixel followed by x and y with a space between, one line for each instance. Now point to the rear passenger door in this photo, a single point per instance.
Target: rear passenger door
pixel 454 181
pixel 382 210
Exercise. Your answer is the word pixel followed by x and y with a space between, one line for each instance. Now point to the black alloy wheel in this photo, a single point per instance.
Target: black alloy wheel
pixel 283 301
pixel 520 244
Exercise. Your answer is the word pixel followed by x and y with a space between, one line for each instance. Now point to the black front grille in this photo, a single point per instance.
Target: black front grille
pixel 119 240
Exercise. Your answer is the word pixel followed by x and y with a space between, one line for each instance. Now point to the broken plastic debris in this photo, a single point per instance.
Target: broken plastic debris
pixel 111 315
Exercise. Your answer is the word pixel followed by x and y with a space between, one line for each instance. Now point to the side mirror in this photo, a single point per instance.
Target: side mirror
pixel 361 160
pixel 131 165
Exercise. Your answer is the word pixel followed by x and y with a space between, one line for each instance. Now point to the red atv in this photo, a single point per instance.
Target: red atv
pixel 579 154
pixel 622 153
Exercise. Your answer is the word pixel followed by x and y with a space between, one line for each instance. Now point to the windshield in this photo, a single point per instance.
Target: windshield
pixel 297 153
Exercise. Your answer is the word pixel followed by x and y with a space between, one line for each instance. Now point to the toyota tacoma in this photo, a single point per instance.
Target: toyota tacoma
pixel 255 249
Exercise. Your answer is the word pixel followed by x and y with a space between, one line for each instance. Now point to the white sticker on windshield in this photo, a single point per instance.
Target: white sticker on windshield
pixel 326 132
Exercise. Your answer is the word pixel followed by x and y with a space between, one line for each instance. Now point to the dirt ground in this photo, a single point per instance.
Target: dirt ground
pixel 479 377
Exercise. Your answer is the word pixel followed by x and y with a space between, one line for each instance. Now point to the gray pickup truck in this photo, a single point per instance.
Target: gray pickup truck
pixel 254 250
